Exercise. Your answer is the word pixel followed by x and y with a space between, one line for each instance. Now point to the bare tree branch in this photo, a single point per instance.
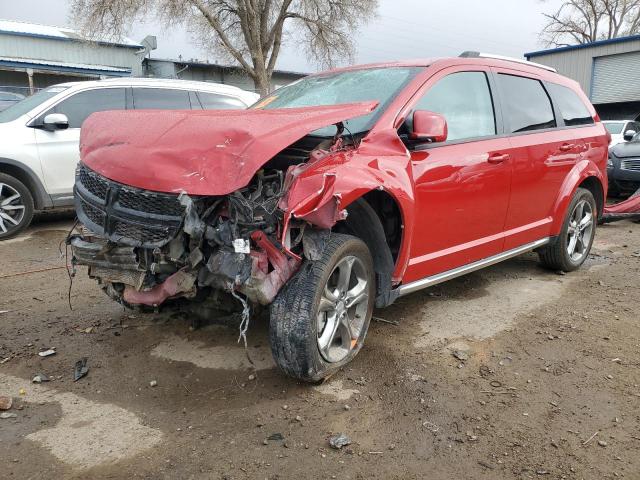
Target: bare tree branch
pixel 248 32
pixel 585 21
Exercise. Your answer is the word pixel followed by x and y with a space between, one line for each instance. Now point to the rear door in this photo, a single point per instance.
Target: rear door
pixel 542 154
pixel 145 98
pixel 462 186
pixel 59 150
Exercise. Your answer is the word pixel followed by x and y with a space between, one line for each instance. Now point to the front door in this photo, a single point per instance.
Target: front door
pixel 59 150
pixel 462 186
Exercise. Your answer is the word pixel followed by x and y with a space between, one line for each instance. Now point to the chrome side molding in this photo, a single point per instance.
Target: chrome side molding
pixel 471 267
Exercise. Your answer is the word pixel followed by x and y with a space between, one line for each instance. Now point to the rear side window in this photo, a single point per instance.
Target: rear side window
pixel 464 99
pixel 214 101
pixel 79 106
pixel 160 99
pixel 526 103
pixel 573 110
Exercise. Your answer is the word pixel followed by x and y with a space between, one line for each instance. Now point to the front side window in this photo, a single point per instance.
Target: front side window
pixel 160 99
pixel 215 101
pixel 379 85
pixel 573 110
pixel 464 99
pixel 79 106
pixel 526 103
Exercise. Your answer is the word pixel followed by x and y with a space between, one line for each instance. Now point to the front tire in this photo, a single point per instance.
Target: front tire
pixel 572 247
pixel 320 318
pixel 16 206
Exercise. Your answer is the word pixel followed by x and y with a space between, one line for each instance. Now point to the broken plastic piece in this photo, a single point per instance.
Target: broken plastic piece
pixel 47 353
pixel 80 369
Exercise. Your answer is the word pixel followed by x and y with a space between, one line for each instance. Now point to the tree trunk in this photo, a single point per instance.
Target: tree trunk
pixel 262 83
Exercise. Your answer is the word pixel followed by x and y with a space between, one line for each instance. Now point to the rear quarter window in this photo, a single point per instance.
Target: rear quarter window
pixel 573 110
pixel 526 103
pixel 215 101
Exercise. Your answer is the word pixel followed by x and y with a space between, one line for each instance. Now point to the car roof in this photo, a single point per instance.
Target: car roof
pixel 156 82
pixel 444 62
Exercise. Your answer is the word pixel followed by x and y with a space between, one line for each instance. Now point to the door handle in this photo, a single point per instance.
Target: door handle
pixel 567 147
pixel 498 158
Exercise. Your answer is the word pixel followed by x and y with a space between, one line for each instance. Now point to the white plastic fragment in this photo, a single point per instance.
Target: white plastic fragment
pixel 240 245
pixel 47 353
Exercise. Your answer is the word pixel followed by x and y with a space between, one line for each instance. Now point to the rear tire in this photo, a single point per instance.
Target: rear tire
pixel 16 206
pixel 320 318
pixel 572 247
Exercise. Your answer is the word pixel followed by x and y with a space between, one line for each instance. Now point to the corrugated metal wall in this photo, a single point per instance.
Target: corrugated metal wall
pixel 578 64
pixel 72 52
pixel 616 78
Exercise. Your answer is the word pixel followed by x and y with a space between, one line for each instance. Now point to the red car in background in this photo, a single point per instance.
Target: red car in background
pixel 339 193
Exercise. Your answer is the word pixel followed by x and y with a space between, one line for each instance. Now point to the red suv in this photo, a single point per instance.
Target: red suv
pixel 339 193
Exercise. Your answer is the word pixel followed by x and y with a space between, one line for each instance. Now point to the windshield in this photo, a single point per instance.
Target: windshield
pixel 614 128
pixel 18 109
pixel 376 84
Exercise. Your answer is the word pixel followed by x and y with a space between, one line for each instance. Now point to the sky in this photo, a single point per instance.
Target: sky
pixel 403 29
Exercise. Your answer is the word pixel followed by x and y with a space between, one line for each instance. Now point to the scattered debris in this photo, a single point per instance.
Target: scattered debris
pixel 5 415
pixel 80 369
pixel 5 360
pixel 461 355
pixel 47 353
pixel 347 407
pixel 275 437
pixel 4 311
pixel 22 391
pixel 153 383
pixel 602 443
pixel 589 439
pixel 339 441
pixel 382 320
pixel 5 402
pixel 431 426
pixel 298 418
pixel 41 377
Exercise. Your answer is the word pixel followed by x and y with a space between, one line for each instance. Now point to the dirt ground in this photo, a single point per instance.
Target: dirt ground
pixel 546 361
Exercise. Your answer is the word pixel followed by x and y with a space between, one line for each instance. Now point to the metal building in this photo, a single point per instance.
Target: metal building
pixel 212 72
pixel 607 70
pixel 34 56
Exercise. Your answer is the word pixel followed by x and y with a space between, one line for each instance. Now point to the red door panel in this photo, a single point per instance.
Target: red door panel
pixel 462 197
pixel 541 162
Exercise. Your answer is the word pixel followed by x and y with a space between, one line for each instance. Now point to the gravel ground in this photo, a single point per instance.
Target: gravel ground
pixel 512 372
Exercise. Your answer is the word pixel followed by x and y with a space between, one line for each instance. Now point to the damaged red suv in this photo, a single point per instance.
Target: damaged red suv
pixel 339 193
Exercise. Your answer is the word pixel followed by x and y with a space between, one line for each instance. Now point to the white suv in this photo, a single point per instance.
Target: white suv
pixel 39 136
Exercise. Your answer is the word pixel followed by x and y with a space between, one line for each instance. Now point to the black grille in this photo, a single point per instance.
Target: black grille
pixel 94 183
pixel 95 214
pixel 124 214
pixel 143 233
pixel 153 203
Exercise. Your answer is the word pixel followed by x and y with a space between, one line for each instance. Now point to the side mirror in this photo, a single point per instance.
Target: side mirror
pixel 428 127
pixel 629 134
pixel 55 121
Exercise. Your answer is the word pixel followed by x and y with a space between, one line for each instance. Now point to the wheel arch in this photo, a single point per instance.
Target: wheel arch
pixel 27 176
pixel 376 218
pixel 584 174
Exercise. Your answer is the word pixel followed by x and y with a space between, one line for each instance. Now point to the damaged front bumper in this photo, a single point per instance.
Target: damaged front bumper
pixel 145 247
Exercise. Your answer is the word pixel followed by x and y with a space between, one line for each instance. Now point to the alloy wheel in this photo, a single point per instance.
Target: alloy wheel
pixel 12 208
pixel 343 309
pixel 580 231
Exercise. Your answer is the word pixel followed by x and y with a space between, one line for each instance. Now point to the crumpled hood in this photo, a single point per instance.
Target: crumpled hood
pixel 199 152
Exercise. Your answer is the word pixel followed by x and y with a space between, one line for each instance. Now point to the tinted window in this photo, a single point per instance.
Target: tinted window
pixel 160 99
pixel 464 99
pixel 29 103
pixel 573 111
pixel 214 101
pixel 79 106
pixel 527 105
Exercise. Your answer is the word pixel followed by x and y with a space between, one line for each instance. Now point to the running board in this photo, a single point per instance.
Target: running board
pixel 471 267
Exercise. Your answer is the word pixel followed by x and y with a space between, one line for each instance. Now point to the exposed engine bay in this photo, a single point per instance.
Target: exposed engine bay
pixel 146 247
